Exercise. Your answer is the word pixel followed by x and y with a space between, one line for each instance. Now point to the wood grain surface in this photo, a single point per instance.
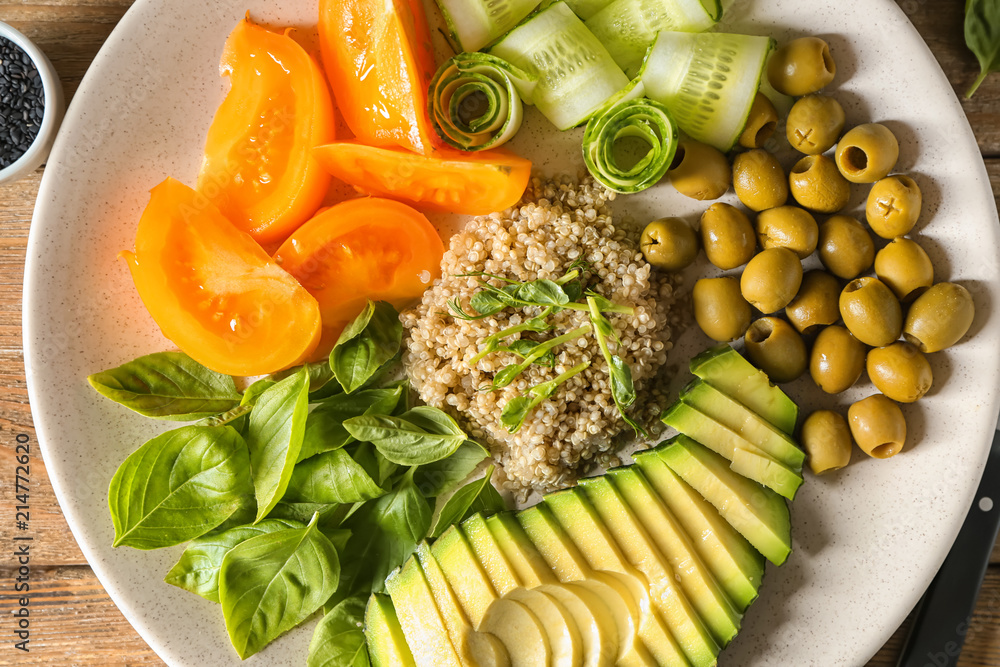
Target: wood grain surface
pixel 73 621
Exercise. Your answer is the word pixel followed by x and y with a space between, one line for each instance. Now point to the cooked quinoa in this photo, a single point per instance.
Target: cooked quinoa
pixel 556 224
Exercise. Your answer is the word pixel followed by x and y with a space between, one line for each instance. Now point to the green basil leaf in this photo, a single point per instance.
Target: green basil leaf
pixel 384 532
pixel 320 375
pixel 274 435
pixel 245 514
pixel 168 385
pixel 621 382
pixel 178 486
pixel 271 583
pixel 198 568
pixel 368 342
pixel 472 498
pixel 325 425
pixel 339 639
pixel 332 477
pixel 438 478
pixel 982 35
pixel 419 436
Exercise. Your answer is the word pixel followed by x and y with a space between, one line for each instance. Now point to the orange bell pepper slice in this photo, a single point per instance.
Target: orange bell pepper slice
pixel 214 292
pixel 257 168
pixel 379 59
pixel 467 183
pixel 362 249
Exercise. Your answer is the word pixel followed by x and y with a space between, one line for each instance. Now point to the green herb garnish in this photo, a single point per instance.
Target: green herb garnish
pixel 982 35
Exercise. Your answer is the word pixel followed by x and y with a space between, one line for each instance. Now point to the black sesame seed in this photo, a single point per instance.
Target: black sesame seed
pixel 22 102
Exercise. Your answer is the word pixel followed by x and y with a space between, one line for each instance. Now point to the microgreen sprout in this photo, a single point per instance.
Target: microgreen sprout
pixel 519 407
pixel 622 389
pixel 492 343
pixel 509 373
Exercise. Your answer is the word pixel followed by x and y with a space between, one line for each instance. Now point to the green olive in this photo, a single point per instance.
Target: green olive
pixel 867 153
pixel 761 123
pixel 905 267
pixel 801 66
pixel 939 317
pixel 817 184
pixel 771 279
pixel 816 304
pixel 827 440
pixel 700 171
pixel 845 247
pixel 814 124
pixel 893 206
pixel 669 244
pixel 878 426
pixel 900 371
pixel 727 236
pixel 837 359
pixel 777 349
pixel 759 181
pixel 871 311
pixel 788 227
pixel 719 308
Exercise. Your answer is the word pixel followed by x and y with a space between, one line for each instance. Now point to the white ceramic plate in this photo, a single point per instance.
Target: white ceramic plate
pixel 867 541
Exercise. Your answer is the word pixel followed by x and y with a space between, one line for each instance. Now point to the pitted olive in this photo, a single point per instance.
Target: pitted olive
pixel 817 184
pixel 939 317
pixel 801 66
pixel 700 171
pixel 777 349
pixel 761 123
pixel 867 153
pixel 900 371
pixel 669 244
pixel 845 247
pixel 771 279
pixel 759 180
pixel 893 206
pixel 788 227
pixel 817 303
pixel 871 311
pixel 837 360
pixel 878 426
pixel 727 236
pixel 827 440
pixel 905 267
pixel 814 124
pixel 719 308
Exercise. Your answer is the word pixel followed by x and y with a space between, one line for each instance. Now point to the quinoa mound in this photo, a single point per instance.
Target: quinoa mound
pixel 556 223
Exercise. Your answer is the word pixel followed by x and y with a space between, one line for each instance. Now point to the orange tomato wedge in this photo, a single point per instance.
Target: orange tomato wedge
pixel 378 57
pixel 258 169
pixel 214 292
pixel 467 183
pixel 362 249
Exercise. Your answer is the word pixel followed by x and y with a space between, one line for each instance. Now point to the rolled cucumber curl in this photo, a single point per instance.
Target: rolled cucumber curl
pixel 611 139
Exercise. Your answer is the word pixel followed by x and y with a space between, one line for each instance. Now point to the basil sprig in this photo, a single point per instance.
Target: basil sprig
pixel 368 342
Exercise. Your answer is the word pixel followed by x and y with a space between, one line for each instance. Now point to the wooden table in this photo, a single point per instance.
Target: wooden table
pixel 73 621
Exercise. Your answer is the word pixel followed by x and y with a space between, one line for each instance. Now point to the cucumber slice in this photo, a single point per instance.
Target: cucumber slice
pixel 475 103
pixel 708 81
pixel 576 74
pixel 474 24
pixel 629 27
pixel 639 122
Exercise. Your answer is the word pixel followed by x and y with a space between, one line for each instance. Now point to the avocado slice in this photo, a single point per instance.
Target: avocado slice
pixel 695 424
pixel 560 629
pixel 528 564
pixel 590 535
pixel 751 426
pixel 499 570
pixel 520 631
pixel 638 548
pixel 462 569
pixel 695 579
pixel 418 616
pixel 725 369
pixel 386 644
pixel 738 567
pixel 472 647
pixel 758 513
pixel 624 605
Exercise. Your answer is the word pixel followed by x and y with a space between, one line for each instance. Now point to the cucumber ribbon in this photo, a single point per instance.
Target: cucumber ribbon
pixel 611 137
pixel 476 100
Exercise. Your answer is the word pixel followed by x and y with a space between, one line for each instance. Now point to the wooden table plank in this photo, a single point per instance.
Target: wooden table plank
pixel 74 622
